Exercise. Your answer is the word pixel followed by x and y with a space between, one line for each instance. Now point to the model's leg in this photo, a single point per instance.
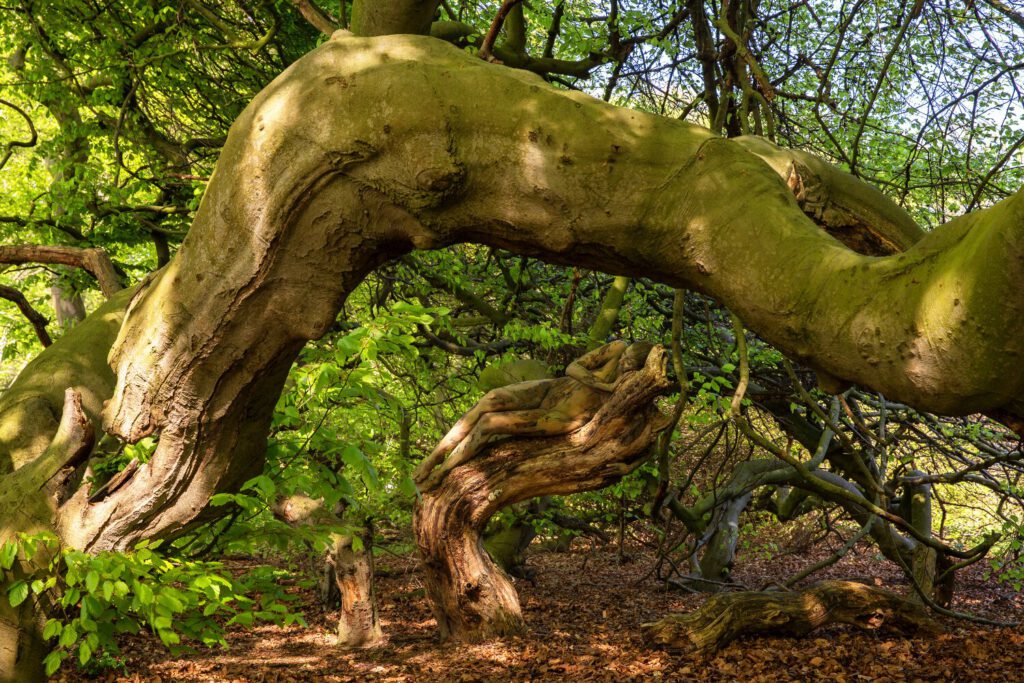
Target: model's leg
pixel 521 396
pixel 536 422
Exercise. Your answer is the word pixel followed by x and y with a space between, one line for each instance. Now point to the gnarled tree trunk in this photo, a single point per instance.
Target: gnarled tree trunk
pixel 348 571
pixel 471 596
pixel 358 625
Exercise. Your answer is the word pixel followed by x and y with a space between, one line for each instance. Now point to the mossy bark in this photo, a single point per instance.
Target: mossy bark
pixel 30 502
pixel 727 616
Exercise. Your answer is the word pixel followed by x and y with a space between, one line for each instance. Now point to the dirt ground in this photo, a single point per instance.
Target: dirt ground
pixel 584 610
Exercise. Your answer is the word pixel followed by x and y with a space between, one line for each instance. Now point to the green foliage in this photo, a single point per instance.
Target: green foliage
pixel 95 598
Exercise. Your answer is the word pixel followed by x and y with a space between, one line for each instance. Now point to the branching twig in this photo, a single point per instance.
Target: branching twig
pixel 492 33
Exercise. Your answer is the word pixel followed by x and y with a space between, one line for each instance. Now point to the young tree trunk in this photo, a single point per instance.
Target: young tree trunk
pixel 727 616
pixel 358 625
pixel 348 572
pixel 720 550
pixel 67 305
pixel 472 598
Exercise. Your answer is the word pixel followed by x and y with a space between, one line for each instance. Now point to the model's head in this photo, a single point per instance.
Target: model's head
pixel 635 355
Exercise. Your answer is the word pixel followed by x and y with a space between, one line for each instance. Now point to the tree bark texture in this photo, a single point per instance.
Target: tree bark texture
pixel 29 502
pixel 727 616
pixel 472 598
pixel 384 17
pixel 31 407
pixel 348 573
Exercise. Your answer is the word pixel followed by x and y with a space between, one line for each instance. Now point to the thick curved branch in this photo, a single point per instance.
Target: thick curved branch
pixel 94 261
pixel 306 202
pixel 31 406
pixel 472 598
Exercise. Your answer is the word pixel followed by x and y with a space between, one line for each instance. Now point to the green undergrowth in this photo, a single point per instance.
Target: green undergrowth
pixel 93 599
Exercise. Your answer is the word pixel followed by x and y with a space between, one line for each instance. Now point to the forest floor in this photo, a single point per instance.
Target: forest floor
pixel 584 611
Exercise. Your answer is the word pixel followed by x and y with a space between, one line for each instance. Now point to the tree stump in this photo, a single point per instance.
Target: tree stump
pixel 727 616
pixel 358 625
pixel 472 598
pixel 348 571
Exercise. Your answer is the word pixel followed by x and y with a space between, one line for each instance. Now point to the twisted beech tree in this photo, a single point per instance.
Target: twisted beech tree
pixel 384 140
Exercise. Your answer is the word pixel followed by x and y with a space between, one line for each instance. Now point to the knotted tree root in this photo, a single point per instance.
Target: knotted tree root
pixel 727 616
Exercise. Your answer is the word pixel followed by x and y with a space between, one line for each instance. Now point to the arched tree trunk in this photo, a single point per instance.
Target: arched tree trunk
pixel 471 596
pixel 318 184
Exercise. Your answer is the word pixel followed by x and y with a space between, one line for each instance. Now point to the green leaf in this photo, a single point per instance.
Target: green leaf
pixel 68 636
pixel 17 593
pixel 168 637
pixel 52 629
pixel 8 552
pixel 243 618
pixel 92 581
pixel 145 594
pixel 84 653
pixel 52 662
pixel 219 499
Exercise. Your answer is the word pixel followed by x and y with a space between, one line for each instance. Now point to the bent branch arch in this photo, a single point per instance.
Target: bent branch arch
pixel 368 148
